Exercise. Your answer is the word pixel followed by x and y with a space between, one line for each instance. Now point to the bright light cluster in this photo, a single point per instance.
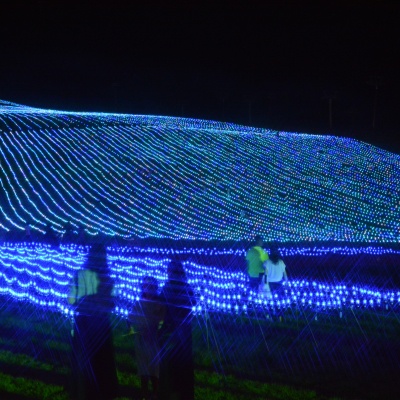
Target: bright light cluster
pixel 179 178
pixel 42 275
pixel 241 252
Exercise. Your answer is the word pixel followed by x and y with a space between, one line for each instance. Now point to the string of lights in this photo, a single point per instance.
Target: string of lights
pixel 42 275
pixel 180 178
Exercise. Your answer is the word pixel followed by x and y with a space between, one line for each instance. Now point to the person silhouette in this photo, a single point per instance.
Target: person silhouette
pixel 255 258
pixel 50 236
pixel 275 270
pixel 146 317
pixel 177 370
pixel 91 292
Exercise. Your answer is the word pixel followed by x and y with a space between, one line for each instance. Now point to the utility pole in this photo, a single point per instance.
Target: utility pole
pixel 115 89
pixel 375 81
pixel 249 99
pixel 330 96
pixel 222 95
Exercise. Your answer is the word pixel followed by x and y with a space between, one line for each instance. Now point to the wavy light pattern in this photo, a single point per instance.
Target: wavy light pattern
pixel 285 251
pixel 42 275
pixel 180 178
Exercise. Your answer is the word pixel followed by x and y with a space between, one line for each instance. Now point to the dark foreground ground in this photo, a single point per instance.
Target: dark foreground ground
pixel 316 355
pixel 356 356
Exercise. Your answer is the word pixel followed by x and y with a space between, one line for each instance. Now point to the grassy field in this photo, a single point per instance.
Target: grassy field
pixel 304 356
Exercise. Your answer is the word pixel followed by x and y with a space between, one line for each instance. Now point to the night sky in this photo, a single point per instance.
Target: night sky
pixel 273 64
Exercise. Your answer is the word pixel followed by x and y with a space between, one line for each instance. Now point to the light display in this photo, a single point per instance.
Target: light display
pixel 179 178
pixel 42 275
pixel 241 252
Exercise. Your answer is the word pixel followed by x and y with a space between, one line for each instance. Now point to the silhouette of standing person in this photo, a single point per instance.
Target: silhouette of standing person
pixel 91 292
pixel 68 233
pixel 28 233
pixel 177 370
pixel 275 269
pixel 50 236
pixel 255 258
pixel 147 315
pixel 81 238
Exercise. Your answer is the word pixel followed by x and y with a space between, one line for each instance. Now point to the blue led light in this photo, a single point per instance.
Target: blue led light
pixel 32 274
pixel 181 178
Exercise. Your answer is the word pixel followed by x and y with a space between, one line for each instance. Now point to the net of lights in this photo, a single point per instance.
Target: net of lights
pixel 180 178
pixel 41 275
pixel 241 252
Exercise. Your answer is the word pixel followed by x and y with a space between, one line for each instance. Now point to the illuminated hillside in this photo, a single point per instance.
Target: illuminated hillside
pixel 139 175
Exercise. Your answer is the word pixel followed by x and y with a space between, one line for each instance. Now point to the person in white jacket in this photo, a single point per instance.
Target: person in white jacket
pixel 275 270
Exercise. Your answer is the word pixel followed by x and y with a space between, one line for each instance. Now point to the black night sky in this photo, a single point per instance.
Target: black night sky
pixel 274 64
